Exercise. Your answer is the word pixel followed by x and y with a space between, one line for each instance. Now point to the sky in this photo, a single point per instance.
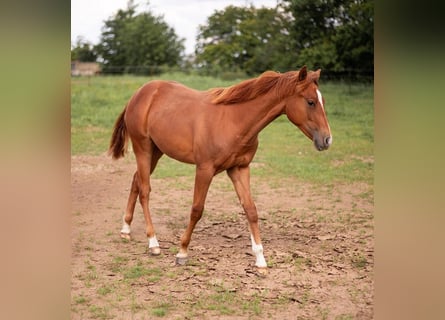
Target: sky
pixel 88 16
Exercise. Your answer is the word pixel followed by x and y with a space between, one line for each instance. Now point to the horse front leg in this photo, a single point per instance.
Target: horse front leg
pixel 240 177
pixel 203 178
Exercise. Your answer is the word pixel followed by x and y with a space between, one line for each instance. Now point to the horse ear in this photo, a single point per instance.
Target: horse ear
pixel 302 74
pixel 317 74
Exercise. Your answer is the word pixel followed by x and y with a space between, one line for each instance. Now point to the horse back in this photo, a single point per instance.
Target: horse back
pixel 168 113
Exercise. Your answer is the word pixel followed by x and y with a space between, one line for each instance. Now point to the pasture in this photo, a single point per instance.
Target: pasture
pixel 316 219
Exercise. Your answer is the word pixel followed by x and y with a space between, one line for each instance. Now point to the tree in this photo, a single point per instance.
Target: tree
pixel 243 38
pixel 333 34
pixel 354 38
pixel 130 39
pixel 83 51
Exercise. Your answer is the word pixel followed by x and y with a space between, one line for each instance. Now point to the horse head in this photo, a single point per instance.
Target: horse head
pixel 306 109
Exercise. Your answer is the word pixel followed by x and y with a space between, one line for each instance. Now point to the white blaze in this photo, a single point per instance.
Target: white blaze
pixel 320 99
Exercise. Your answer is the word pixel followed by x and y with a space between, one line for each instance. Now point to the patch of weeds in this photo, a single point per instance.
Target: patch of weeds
pixel 81 300
pixel 271 262
pixel 202 272
pixel 104 290
pixel 161 309
pixel 355 294
pixel 134 272
pixel 171 275
pixel 154 278
pixel 118 263
pixel 323 313
pixel 173 250
pixel 300 263
pixel 99 313
pixel 344 317
pixel 123 240
pixel 91 275
pixel 221 302
pixel 284 299
pixel 305 297
pixel 253 305
pixel 135 306
pixel 194 263
pixel 158 312
pixel 359 261
pixel 139 271
pixel 322 217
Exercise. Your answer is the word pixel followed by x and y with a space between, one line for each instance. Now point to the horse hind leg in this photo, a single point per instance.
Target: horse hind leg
pixel 129 212
pixel 147 155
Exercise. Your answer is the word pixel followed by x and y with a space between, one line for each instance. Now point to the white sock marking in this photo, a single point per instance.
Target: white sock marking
pixel 258 251
pixel 125 227
pixel 153 242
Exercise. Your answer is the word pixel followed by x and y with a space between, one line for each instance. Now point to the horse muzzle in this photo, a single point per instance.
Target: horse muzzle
pixel 322 143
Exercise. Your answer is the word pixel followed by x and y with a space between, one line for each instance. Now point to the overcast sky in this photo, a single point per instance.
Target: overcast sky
pixel 88 16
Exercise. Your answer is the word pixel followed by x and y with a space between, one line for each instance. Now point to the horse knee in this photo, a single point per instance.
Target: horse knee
pixel 196 213
pixel 143 194
pixel 251 214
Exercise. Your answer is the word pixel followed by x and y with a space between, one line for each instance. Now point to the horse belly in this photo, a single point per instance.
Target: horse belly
pixel 174 141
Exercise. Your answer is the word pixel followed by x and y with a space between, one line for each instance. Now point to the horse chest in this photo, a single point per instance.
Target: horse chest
pixel 239 154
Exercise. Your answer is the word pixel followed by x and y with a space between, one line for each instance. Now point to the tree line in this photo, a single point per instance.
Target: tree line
pixel 335 35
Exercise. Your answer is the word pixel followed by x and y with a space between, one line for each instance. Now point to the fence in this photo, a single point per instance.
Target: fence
pixel 349 75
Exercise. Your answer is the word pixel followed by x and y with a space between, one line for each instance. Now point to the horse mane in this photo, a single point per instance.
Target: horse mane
pixel 285 84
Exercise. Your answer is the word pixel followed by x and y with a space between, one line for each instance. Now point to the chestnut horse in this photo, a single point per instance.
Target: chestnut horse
pixel 217 130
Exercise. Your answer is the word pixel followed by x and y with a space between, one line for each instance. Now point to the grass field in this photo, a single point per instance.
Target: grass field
pixel 284 151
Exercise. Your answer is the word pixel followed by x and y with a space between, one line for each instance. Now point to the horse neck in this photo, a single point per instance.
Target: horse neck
pixel 259 112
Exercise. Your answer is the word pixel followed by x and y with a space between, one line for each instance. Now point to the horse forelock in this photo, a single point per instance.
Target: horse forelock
pixel 284 84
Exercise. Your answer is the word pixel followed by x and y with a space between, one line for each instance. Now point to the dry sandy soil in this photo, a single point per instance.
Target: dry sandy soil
pixel 318 243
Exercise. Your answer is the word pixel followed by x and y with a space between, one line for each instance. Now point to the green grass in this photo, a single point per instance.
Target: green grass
pixel 283 152
pixel 138 271
pixel 161 309
pixel 222 302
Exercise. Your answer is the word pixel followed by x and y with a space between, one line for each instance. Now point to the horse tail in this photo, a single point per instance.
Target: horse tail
pixel 119 139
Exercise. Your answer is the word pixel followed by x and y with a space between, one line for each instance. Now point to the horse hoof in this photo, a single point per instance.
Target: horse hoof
pixel 125 236
pixel 262 271
pixel 181 261
pixel 155 251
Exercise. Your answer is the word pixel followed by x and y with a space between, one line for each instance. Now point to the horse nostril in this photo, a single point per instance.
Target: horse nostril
pixel 328 141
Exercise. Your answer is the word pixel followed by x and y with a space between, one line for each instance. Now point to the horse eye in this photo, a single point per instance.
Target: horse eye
pixel 311 103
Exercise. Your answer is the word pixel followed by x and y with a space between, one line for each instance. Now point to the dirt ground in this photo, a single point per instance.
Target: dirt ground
pixel 318 243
